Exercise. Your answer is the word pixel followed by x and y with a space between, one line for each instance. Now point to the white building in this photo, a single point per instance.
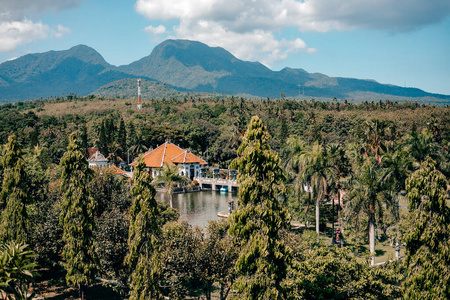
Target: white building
pixel 188 163
pixel 97 159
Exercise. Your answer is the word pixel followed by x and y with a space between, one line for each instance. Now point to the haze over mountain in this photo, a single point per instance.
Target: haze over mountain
pixel 186 66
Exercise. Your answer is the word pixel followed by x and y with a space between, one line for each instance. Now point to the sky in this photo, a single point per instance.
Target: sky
pixel 401 42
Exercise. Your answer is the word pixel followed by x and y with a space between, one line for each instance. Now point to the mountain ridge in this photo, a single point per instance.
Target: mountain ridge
pixel 186 66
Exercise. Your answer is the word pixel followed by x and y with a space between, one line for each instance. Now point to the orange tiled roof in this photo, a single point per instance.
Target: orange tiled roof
pixel 187 158
pixel 167 153
pixel 117 170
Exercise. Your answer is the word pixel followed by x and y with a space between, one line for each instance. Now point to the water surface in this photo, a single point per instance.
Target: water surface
pixel 199 207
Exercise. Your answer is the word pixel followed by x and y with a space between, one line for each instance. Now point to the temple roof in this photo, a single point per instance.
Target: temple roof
pixel 169 153
pixel 97 157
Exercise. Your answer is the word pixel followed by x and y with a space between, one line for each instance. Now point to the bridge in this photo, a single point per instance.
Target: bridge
pixel 215 184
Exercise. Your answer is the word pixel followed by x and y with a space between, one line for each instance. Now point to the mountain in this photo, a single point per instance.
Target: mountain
pixel 186 66
pixel 79 70
pixel 195 66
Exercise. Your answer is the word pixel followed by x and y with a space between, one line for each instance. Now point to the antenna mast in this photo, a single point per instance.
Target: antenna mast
pixel 139 104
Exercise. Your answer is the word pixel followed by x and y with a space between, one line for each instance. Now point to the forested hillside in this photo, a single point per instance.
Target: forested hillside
pixel 386 165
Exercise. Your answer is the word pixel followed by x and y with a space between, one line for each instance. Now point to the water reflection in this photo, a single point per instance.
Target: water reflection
pixel 198 208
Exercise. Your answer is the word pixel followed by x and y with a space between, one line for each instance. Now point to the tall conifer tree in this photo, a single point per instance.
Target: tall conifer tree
pixel 143 236
pixel 77 217
pixel 428 241
pixel 263 262
pixel 122 138
pixel 102 139
pixel 14 195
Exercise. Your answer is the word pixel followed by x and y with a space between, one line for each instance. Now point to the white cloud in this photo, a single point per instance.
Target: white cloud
pixel 155 30
pixel 15 33
pixel 307 15
pixel 16 28
pixel 249 28
pixel 14 10
pixel 61 31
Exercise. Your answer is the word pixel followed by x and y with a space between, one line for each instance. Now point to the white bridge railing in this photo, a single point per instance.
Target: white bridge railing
pixel 217 183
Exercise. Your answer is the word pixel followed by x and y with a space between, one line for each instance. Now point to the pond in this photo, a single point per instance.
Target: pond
pixel 199 207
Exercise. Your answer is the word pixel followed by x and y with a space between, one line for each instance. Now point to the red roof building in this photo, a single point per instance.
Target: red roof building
pixel 169 153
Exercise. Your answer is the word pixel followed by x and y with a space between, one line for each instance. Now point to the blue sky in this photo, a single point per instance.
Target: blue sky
pixel 401 42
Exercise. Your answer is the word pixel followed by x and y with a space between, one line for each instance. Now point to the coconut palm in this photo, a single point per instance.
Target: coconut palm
pixel 316 171
pixel 375 137
pixel 420 145
pixel 169 176
pixel 291 154
pixel 138 146
pixel 368 193
pixel 340 164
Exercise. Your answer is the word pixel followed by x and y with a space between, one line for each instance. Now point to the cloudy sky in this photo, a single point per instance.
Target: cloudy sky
pixel 401 42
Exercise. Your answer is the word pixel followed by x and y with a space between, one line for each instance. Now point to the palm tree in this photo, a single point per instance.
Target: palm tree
pixel 340 164
pixel 138 146
pixel 366 197
pixel 420 145
pixel 375 137
pixel 316 171
pixel 170 177
pixel 291 154
pixel 398 165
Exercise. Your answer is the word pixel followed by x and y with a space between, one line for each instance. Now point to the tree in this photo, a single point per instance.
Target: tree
pixel 428 241
pixel 180 258
pixel 84 138
pixel 14 195
pixel 375 136
pixel 170 177
pixel 397 165
pixel 122 138
pixel 143 236
pixel 138 146
pixel 366 197
pixel 291 156
pixel 78 211
pixel 17 271
pixel 264 260
pixel 218 254
pixel 335 273
pixel 316 171
pixel 112 194
pixel 102 139
pixel 420 145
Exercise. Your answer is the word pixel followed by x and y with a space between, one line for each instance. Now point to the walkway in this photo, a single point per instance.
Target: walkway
pixel 216 183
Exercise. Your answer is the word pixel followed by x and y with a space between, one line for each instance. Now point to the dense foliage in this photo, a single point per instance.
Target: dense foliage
pixel 143 236
pixel 428 241
pixel 78 210
pixel 339 149
pixel 264 260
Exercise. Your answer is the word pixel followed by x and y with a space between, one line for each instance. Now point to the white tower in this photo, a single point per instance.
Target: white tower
pixel 139 104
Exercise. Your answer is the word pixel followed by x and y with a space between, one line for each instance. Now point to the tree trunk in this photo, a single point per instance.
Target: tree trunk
pixel 222 292
pixel 82 289
pixel 372 240
pixel 170 200
pixel 208 293
pixel 317 219
pixel 307 210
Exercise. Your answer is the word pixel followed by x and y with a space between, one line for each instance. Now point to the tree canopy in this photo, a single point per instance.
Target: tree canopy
pixel 264 260
pixel 78 210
